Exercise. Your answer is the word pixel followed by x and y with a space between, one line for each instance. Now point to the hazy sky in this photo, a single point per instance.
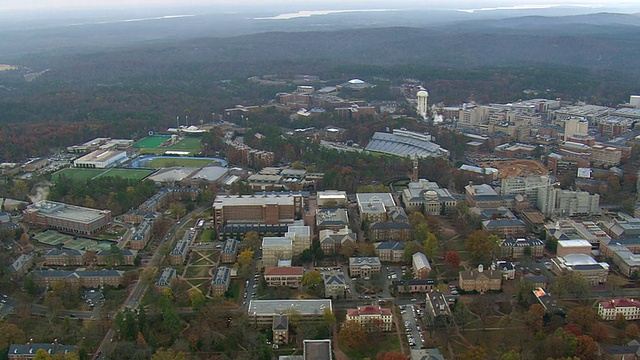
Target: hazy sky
pixel 306 4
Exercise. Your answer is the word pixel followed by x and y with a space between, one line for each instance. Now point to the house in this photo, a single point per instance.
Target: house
pixel 280 329
pixel 229 251
pixel 220 281
pixel 390 251
pixel 480 280
pixel 608 310
pixel 335 285
pixel 289 276
pixel 437 309
pixel 29 350
pixel 420 264
pixel 364 266
pixel 373 317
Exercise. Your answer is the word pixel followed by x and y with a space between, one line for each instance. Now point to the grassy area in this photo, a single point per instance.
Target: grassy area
pixel 177 161
pixel 197 271
pixel 76 174
pixel 152 141
pixel 188 144
pixel 234 289
pixel 205 236
pixel 131 174
pixel 377 343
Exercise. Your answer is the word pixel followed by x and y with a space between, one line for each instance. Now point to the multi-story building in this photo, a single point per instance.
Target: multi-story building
pixel 275 249
pixel 220 281
pixel 623 226
pixel 229 251
pixel 280 329
pixel 574 230
pixel 331 198
pixel 426 196
pixel 67 218
pixel 581 264
pixel 558 202
pixel 373 207
pixel 178 254
pixel 629 308
pixel 420 265
pixel 165 278
pixel 331 219
pixel 578 246
pixel 437 309
pixel 527 186
pixel 108 257
pixel 505 227
pixel 372 317
pixel 28 351
pixel 289 276
pixel 364 266
pixel 335 285
pixel 250 209
pixel 261 312
pixel 100 159
pixel 383 231
pixel 480 280
pixel 624 254
pixel 21 265
pixel 300 237
pixel 514 248
pixel 485 197
pixel 136 216
pixel 390 251
pixel 141 235
pixel 83 278
pixel 65 257
pixel 331 241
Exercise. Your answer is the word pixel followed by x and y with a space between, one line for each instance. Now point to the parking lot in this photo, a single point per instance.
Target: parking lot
pixel 412 327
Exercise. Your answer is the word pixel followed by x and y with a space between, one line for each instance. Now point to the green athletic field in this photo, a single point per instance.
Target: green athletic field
pixel 131 174
pixel 177 161
pixel 77 174
pixel 152 141
pixel 187 144
pixel 52 238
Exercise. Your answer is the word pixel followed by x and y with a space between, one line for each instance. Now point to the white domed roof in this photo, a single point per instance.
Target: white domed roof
pixel 356 81
pixel 429 195
pixel 422 93
pixel 578 259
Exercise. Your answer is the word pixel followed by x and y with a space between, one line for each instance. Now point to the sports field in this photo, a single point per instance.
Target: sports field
pixel 77 174
pixel 131 174
pixel 152 141
pixel 165 162
pixel 187 144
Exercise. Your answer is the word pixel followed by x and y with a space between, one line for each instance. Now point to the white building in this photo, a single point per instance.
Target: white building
pixel 275 249
pixel 100 159
pixel 554 201
pixel 581 264
pixel 423 97
pixel 525 186
pixel 608 310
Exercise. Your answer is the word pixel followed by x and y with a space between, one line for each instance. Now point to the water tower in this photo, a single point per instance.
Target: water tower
pixel 423 97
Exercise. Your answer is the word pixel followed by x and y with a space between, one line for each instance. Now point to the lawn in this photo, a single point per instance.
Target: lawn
pixel 177 161
pixel 188 144
pixel 76 174
pixel 131 174
pixel 205 236
pixel 197 271
pixel 152 141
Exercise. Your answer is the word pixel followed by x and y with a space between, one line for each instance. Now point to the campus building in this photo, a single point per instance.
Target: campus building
pixel 220 281
pixel 421 266
pixel 100 159
pixel 229 251
pixel 83 278
pixel 480 280
pixel 289 276
pixel 608 310
pixel 267 209
pixel 66 218
pixel 275 249
pixel 364 266
pixel 261 312
pixel 28 351
pixel 372 317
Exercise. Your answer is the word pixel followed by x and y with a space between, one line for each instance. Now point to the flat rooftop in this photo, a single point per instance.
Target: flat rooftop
pixel 257 200
pixel 302 307
pixel 66 212
pixel 100 155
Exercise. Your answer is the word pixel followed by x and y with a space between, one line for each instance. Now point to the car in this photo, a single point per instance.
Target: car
pixel 547 265
pixel 414 299
pixel 454 292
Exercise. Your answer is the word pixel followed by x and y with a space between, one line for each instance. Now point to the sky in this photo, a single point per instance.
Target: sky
pixel 306 4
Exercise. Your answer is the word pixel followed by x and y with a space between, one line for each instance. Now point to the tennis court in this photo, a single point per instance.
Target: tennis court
pixel 80 244
pixel 52 238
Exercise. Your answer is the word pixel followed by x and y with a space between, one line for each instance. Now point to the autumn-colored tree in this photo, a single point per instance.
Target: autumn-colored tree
pixel 312 279
pixel 348 249
pixel 482 246
pixel 411 248
pixel 474 353
pixel 572 328
pixel 391 355
pixel 570 282
pixel 430 245
pixel 535 317
pixel 244 263
pixel 366 249
pixel 620 321
pixel 42 354
pixel 416 218
pixel 168 354
pixel 587 348
pixel 251 240
pixel 197 298
pixel 599 332
pixel 452 260
pixel 583 316
pixel 510 355
pixel 140 339
pixel 10 334
pixel 632 331
pixel 65 356
pixel 352 335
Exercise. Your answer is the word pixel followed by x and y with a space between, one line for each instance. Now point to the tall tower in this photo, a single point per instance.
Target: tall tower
pixel 575 125
pixel 414 175
pixel 423 96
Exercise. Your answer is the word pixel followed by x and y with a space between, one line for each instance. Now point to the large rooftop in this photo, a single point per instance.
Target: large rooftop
pixel 66 212
pixel 403 144
pixel 302 307
pixel 237 200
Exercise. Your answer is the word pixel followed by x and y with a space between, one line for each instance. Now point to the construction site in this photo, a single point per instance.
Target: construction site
pixel 516 167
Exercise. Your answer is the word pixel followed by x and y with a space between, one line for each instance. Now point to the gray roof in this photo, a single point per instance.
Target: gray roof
pixel 31 348
pixel 165 277
pixel 333 278
pixel 230 246
pixel 302 307
pixel 437 304
pixel 502 223
pixel 390 245
pixel 522 242
pixel 390 226
pixel 332 217
pixel 420 261
pixel 403 146
pixel 68 252
pixel 280 322
pixel 221 276
pixel 358 261
pixel 317 350
pixel 20 262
